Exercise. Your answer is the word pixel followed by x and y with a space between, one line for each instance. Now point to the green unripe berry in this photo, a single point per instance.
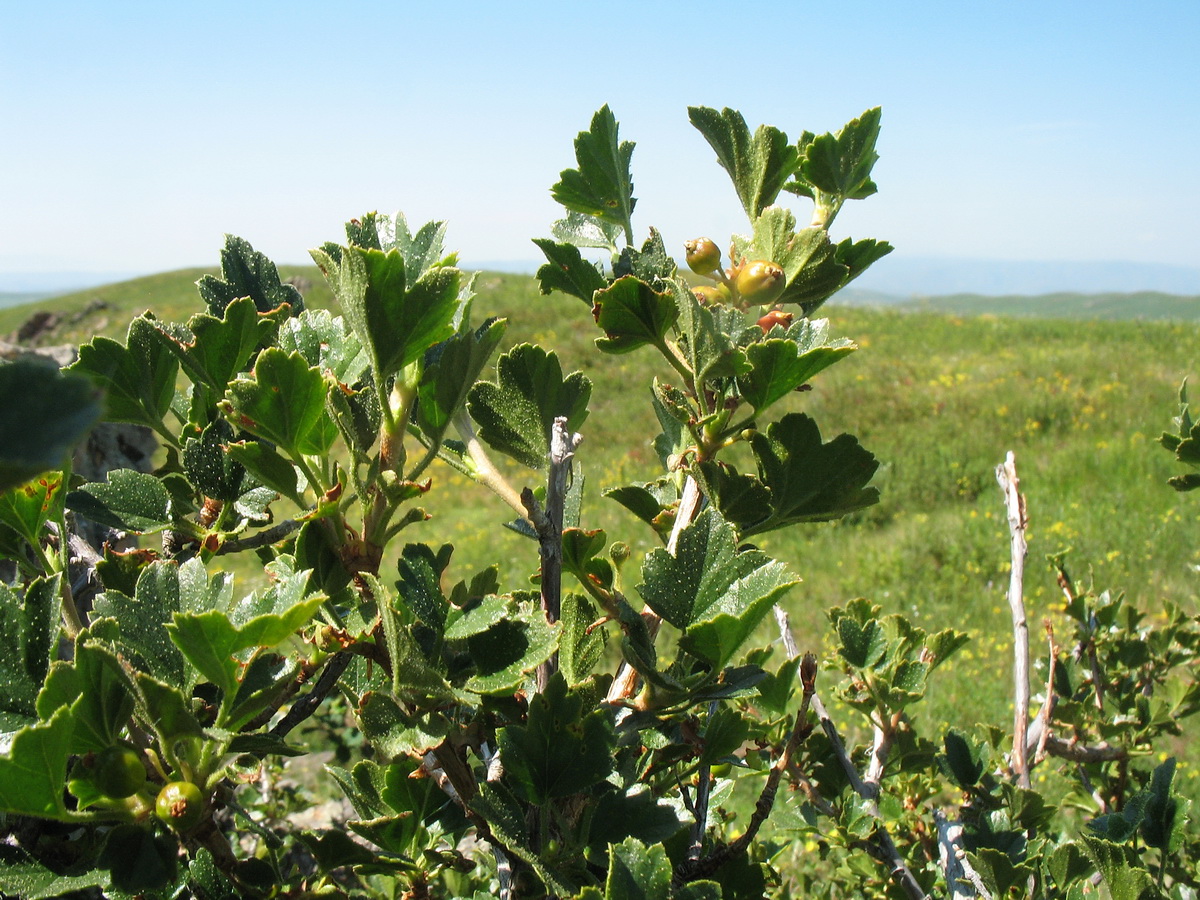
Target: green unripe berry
pixel 119 771
pixel 709 294
pixel 760 281
pixel 180 805
pixel 703 256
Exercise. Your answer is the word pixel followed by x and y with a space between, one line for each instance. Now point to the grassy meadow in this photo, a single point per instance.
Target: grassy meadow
pixel 939 398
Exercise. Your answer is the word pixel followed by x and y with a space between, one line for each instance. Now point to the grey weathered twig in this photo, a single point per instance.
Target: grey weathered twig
pixel 1014 502
pixel 961 877
pixel 548 523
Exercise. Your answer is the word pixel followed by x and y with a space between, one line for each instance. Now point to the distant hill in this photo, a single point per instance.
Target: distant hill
pixel 902 275
pixel 16 298
pixel 1140 305
pixel 897 278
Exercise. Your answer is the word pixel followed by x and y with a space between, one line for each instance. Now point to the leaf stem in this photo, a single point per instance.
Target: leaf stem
pixel 485 471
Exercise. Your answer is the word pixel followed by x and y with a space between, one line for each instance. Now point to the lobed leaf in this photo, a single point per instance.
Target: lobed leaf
pixel 759 165
pixel 247 273
pixel 602 185
pixel 516 413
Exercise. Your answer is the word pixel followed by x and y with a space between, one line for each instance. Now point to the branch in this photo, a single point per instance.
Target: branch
pixel 1048 705
pixel 307 705
pixel 1006 477
pixel 549 526
pixel 961 877
pixel 689 507
pixel 693 869
pixel 887 846
pixel 272 535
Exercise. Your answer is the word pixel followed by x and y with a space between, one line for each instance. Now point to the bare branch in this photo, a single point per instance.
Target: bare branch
pixel 961 877
pixel 887 847
pixel 307 705
pixel 1006 477
pixel 695 867
pixel 549 525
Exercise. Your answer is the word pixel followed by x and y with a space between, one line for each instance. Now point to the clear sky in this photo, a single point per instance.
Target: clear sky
pixel 136 134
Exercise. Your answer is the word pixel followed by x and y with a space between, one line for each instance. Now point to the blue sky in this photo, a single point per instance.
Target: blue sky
pixel 136 134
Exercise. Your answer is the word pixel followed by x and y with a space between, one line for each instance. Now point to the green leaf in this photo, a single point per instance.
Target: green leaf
pixel 451 369
pixel 138 379
pixel 759 165
pixel 27 507
pixel 710 351
pixel 841 164
pixel 247 273
pixel 23 876
pixel 633 314
pixel 1068 864
pixel 862 644
pixel 708 589
pixel 780 365
pixel 727 730
pixel 652 264
pixel 810 481
pixel 1121 868
pixel 393 732
pixel 209 466
pixel 420 584
pixel 567 271
pixel 213 349
pixel 29 634
pixel 315 552
pixel 579 651
pixel 561 749
pixel 1161 818
pixel 326 343
pixel 857 256
pixel 635 812
pixel 34 770
pixel 808 257
pixel 282 401
pixel 128 500
pixel 396 317
pixel 105 701
pixel 30 441
pixel 582 230
pixel 163 589
pixel 637 872
pixel 507 653
pixel 602 185
pixel 422 251
pixel 263 461
pixel 261 683
pixel 964 761
pixel 140 860
pixel 167 710
pixel 1004 876
pixel 209 640
pixel 516 414
pixel 478 618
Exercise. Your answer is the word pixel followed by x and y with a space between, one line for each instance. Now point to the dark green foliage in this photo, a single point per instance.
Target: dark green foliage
pixel 494 740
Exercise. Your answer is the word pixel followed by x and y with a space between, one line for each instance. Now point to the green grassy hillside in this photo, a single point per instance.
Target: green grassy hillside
pixel 939 399
pixel 1142 305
